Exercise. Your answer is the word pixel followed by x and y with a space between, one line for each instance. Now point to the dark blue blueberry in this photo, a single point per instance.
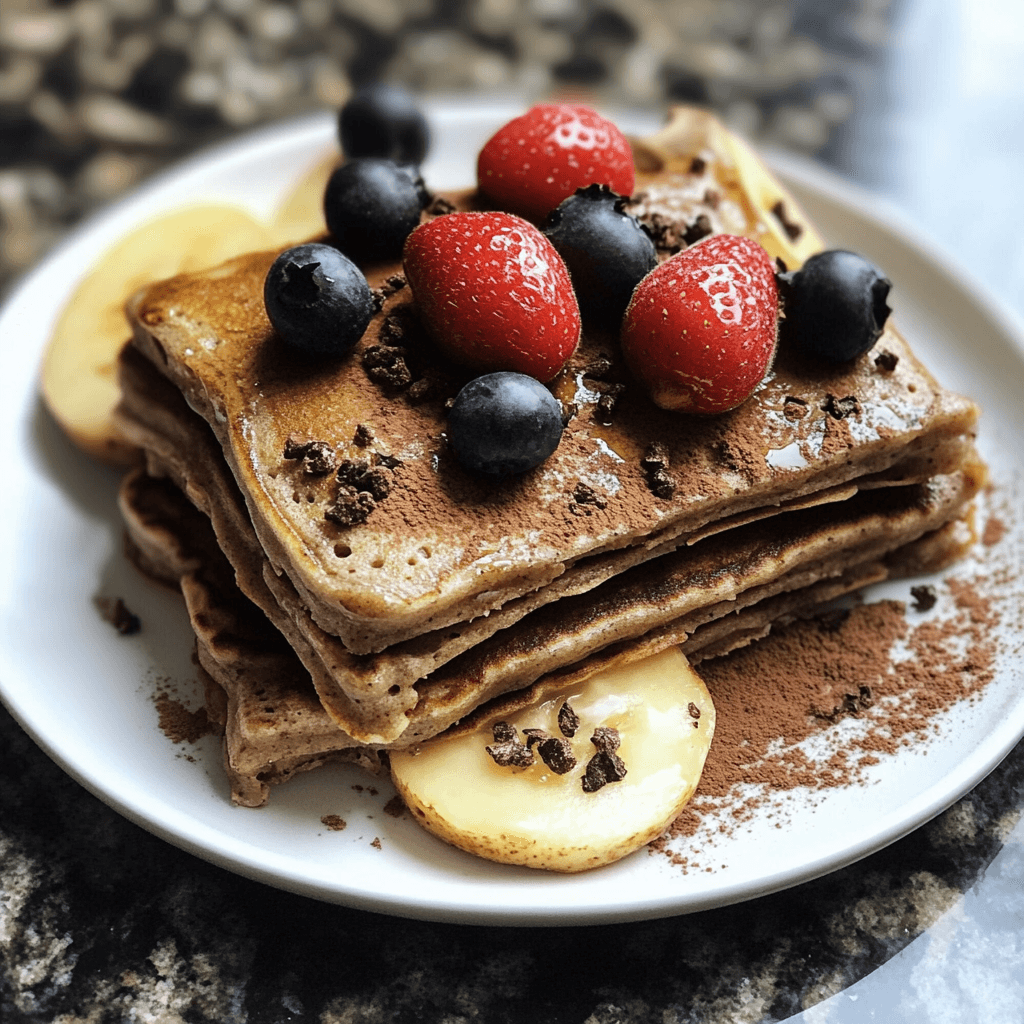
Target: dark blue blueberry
pixel 504 423
pixel 835 306
pixel 383 120
pixel 317 299
pixel 605 249
pixel 371 206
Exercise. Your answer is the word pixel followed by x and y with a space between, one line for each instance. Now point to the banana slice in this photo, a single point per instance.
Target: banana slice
pixel 301 214
pixel 774 219
pixel 653 718
pixel 79 381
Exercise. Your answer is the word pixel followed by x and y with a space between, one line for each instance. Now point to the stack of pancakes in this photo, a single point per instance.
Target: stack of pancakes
pixel 331 628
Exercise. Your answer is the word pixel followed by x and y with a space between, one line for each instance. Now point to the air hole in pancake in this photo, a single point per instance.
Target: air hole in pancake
pixel 310 497
pixel 412 560
pixel 296 497
pixel 342 550
pixel 426 552
pixel 377 563
pixel 912 388
pixel 394 690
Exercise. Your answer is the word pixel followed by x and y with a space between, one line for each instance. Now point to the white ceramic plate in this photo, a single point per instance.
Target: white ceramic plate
pixel 86 694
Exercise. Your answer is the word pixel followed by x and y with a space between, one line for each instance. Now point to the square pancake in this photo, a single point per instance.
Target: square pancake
pixel 275 725
pixel 372 696
pixel 446 547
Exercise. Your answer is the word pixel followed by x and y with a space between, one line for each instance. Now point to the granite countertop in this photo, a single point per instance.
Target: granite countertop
pixel 100 921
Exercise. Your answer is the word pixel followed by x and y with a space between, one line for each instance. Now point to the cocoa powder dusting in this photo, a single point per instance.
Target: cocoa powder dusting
pixel 891 670
pixel 179 724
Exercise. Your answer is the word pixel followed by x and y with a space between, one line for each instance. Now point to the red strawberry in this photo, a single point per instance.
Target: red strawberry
pixel 542 157
pixel 494 293
pixel 700 330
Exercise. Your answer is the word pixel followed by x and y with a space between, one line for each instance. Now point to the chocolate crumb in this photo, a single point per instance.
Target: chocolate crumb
pixel 699 229
pixel 421 390
pixel 376 843
pixel 693 710
pixel 605 766
pixel 886 360
pixel 655 457
pixel 333 822
pixel 395 807
pixel 116 612
pixel 794 408
pixel 569 409
pixel 605 408
pixel 439 207
pixel 363 436
pixel 924 597
pixel 598 368
pixel 507 749
pixel 360 476
pixel 534 736
pixel 840 408
pixel 698 165
pixel 585 500
pixel 317 456
pixel 568 720
pixel 395 283
pixel 852 704
pixel 351 507
pixel 387 461
pixel 385 365
pixel 792 229
pixel 557 754
pixel 655 462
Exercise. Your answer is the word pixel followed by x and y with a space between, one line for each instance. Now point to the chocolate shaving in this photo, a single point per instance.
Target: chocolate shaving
pixel 599 368
pixel 385 365
pixel 534 736
pixel 605 407
pixel 792 229
pixel 363 436
pixel 350 507
pixel 605 766
pixel 439 206
pixel 794 408
pixel 840 408
pixel 361 476
pixel 557 754
pixel 317 456
pixel 568 720
pixel 852 704
pixel 116 612
pixel 699 229
pixel 924 597
pixel 886 360
pixel 507 749
pixel 655 462
pixel 585 499
pixel 693 710
pixel 422 390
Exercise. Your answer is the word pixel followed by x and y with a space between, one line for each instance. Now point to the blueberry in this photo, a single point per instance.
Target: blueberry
pixel 383 120
pixel 504 423
pixel 835 306
pixel 317 299
pixel 605 249
pixel 371 206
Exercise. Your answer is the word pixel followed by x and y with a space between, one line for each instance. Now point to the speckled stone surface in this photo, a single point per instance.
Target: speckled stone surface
pixel 100 922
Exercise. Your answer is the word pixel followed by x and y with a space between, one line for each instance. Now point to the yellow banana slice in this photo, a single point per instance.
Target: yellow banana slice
pixel 301 214
pixel 773 217
pixel 79 381
pixel 661 720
